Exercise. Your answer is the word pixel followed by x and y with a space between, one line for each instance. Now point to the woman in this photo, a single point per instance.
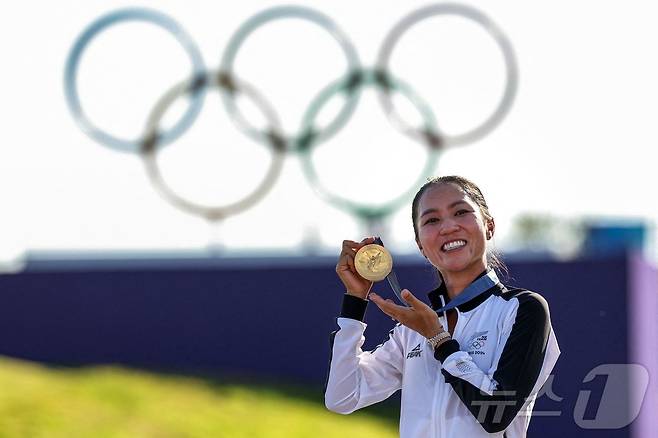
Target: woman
pixel 470 370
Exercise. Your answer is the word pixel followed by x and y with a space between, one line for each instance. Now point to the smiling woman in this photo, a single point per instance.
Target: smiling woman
pixel 460 357
pixel 466 212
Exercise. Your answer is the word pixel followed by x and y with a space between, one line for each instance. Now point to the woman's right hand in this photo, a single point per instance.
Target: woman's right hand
pixel 354 283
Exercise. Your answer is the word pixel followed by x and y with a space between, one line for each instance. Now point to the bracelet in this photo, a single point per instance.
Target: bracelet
pixel 438 339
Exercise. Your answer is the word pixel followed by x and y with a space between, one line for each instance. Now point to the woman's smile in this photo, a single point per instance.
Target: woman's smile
pixel 453 245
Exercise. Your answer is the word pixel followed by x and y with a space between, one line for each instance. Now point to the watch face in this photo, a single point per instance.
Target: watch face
pixel 373 262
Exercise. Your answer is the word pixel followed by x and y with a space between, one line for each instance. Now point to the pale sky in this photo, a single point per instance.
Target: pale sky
pixel 579 141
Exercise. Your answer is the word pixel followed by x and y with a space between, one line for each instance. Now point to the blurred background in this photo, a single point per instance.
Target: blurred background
pixel 123 315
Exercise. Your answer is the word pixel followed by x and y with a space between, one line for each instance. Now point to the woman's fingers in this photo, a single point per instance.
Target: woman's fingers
pixel 346 269
pixel 346 257
pixel 349 250
pixel 419 317
pixel 414 302
pixel 388 306
pixel 352 246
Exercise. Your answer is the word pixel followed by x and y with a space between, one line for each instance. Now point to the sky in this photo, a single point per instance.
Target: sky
pixel 578 142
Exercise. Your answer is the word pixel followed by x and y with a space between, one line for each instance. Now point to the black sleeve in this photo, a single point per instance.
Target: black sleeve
pixel 353 307
pixel 517 371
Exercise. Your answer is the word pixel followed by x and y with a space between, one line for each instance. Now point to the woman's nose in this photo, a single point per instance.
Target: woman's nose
pixel 448 227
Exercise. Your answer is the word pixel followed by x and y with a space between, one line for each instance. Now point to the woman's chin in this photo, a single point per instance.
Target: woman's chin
pixel 456 268
pixel 460 265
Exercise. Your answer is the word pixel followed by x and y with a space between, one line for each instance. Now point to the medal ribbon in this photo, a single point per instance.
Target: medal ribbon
pixel 393 279
pixel 473 290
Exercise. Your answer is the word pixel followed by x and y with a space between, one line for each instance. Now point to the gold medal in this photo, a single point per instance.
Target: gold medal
pixel 373 262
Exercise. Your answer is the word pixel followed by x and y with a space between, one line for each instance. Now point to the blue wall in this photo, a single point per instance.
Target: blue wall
pixel 274 321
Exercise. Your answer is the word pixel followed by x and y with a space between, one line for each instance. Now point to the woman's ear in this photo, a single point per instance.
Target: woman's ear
pixel 491 226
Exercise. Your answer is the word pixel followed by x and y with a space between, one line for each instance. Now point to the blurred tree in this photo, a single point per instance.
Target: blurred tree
pixel 545 233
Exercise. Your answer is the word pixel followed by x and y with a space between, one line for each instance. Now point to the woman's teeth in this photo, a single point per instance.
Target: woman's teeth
pixel 453 245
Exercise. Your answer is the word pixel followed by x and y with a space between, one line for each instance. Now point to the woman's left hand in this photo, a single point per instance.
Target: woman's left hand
pixel 419 317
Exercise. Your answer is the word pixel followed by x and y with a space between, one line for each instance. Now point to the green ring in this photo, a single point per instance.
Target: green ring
pixel 308 140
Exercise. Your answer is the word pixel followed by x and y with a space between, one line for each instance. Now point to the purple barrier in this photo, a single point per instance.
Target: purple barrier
pixel 643 348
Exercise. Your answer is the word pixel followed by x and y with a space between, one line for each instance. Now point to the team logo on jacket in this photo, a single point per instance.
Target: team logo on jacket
pixel 415 352
pixel 477 342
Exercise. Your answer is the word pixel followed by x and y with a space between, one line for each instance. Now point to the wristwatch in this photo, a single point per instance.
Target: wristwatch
pixel 438 339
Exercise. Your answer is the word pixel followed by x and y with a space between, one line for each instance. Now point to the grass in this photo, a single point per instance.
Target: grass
pixel 37 401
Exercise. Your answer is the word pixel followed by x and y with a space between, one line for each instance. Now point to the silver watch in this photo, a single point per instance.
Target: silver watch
pixel 436 340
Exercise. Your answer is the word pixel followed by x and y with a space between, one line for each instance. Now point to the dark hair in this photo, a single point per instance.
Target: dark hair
pixel 475 194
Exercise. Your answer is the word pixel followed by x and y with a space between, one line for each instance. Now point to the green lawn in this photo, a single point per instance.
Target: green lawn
pixel 37 401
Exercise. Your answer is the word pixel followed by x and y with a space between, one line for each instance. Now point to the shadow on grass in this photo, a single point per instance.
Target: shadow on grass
pixel 387 411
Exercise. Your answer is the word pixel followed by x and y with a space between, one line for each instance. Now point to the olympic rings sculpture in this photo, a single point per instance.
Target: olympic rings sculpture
pixel 350 85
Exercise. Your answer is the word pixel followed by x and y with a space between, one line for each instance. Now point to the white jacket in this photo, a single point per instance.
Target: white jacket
pixel 483 383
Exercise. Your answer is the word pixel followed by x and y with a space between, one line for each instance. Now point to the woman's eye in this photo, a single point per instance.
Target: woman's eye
pixel 461 212
pixel 431 220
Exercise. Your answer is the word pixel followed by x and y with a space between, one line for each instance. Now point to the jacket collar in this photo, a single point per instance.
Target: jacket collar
pixel 471 304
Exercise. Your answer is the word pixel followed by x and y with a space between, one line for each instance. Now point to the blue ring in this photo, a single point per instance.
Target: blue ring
pixel 71 71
